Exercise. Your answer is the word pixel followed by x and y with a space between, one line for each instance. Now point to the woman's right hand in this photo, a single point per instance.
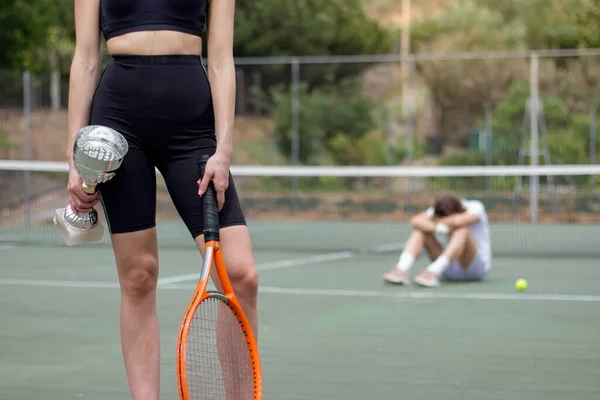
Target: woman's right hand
pixel 80 201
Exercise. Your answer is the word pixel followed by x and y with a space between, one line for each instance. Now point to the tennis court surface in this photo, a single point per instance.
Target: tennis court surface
pixel 330 328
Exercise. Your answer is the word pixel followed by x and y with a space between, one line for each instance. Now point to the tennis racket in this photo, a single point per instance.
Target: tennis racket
pixel 217 355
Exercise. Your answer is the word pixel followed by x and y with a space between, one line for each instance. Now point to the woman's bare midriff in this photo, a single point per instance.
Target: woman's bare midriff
pixel 153 43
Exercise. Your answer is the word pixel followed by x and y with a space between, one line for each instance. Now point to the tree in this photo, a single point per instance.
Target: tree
pixel 546 24
pixel 588 17
pixel 335 121
pixel 30 28
pixel 306 27
pixel 567 132
pixel 22 28
pixel 38 35
pixel 462 89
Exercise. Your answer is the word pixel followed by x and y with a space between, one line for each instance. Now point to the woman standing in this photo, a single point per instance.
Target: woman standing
pixel 171 110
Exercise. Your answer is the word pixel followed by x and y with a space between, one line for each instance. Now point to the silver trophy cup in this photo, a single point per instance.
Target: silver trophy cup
pixel 97 153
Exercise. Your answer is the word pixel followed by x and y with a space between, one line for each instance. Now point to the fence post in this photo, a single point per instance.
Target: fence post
pixel 257 85
pixel 488 142
pixel 593 140
pixel 27 139
pixel 388 136
pixel 55 100
pixel 295 142
pixel 412 129
pixel 533 146
pixel 593 134
pixel 240 97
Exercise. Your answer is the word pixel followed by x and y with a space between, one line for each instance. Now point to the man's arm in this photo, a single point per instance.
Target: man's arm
pixel 423 222
pixel 459 220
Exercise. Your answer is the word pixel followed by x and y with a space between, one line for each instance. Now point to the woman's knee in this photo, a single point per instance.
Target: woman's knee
pixel 138 275
pixel 239 260
pixel 245 279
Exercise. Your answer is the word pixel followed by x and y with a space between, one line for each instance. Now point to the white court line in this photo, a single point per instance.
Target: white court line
pixel 319 258
pixel 331 292
pixel 177 279
pixel 75 284
pixel 268 266
pixel 188 277
pixel 414 294
pixel 294 262
pixel 429 295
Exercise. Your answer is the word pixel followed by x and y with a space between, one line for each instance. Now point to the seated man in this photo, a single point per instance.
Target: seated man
pixel 466 257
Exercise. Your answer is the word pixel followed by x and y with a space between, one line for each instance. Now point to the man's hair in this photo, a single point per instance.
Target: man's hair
pixel 446 205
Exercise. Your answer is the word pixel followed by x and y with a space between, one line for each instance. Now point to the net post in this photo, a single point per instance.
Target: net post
pixel 27 134
pixel 295 142
pixel 534 140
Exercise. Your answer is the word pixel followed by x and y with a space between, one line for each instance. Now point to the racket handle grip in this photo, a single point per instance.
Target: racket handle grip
pixel 210 207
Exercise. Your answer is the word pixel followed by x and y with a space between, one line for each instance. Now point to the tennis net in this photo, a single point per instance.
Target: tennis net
pixel 539 211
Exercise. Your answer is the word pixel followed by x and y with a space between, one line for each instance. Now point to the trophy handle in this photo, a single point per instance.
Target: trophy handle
pixel 88 188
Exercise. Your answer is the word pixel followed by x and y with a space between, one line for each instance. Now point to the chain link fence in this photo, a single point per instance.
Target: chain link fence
pixel 451 109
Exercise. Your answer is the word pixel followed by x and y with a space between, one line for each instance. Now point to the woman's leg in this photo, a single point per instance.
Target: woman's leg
pixel 129 201
pixel 243 275
pixel 136 255
pixel 241 269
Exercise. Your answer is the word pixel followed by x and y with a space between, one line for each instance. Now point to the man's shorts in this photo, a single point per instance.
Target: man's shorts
pixel 476 271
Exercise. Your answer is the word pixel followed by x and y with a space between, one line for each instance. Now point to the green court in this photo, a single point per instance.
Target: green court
pixel 330 328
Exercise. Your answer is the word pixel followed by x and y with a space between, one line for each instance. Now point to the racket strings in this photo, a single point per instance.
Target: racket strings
pixel 218 364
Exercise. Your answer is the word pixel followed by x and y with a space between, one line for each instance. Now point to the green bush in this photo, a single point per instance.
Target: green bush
pixel 567 134
pixel 471 157
pixel 267 28
pixel 334 124
pixel 566 147
pixel 4 143
pixel 371 149
pixel 580 128
pixel 510 113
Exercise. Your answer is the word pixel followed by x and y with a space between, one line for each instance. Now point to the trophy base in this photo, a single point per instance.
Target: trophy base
pixel 74 236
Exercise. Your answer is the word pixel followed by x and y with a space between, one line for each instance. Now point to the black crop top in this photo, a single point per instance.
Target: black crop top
pixel 118 17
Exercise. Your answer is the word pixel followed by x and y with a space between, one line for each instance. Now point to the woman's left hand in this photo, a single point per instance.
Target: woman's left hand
pixel 217 170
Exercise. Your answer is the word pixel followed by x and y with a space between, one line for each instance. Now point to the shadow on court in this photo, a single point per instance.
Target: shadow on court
pixel 330 327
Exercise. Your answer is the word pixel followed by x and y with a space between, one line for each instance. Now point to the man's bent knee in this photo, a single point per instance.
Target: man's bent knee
pixel 462 231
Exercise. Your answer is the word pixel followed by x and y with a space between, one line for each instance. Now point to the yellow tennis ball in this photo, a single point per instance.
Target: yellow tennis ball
pixel 521 284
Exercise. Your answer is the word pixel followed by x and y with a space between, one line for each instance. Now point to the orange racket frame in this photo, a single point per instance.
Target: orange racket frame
pixel 213 254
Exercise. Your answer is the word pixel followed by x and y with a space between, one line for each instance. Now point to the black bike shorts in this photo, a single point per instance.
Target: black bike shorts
pixel 162 105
